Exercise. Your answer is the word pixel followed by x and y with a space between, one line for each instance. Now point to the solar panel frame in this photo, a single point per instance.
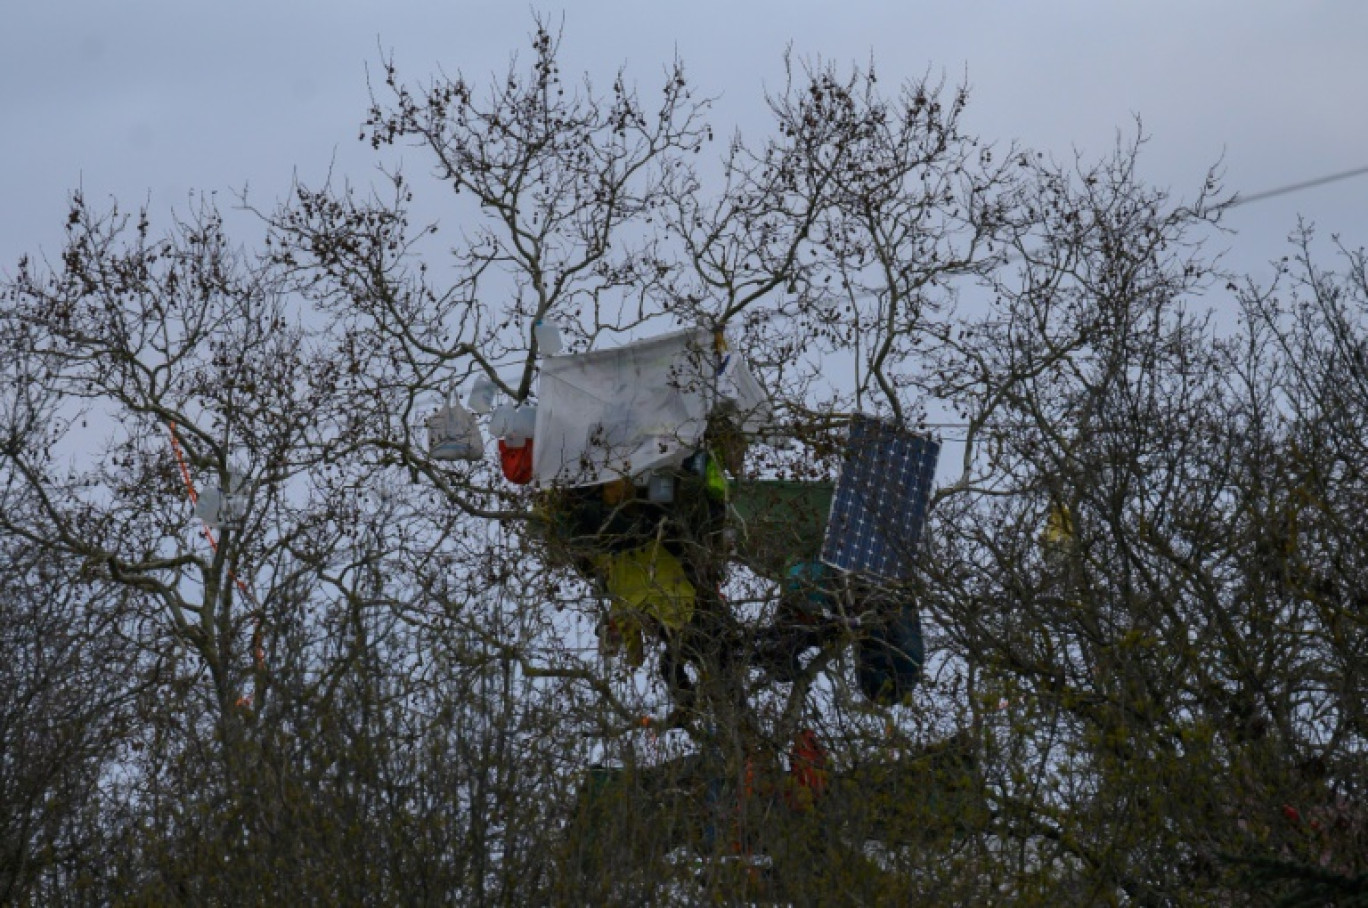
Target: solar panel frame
pixel 878 511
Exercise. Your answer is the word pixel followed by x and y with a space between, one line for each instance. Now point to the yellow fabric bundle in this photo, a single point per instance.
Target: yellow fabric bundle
pixel 651 580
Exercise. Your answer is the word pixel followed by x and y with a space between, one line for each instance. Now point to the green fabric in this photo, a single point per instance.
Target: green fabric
pixel 779 523
pixel 714 480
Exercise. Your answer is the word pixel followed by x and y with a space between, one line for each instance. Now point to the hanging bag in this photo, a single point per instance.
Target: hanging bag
pixel 516 462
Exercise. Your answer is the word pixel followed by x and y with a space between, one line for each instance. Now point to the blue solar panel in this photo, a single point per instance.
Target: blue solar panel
pixel 879 508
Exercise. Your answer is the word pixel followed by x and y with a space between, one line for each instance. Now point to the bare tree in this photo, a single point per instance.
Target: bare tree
pixel 69 674
pixel 357 671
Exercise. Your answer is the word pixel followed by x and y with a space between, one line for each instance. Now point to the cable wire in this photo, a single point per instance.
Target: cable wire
pixel 1294 187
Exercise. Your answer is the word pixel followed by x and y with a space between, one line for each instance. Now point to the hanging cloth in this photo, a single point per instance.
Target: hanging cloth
pixel 629 410
pixel 650 580
pixel 888 660
pixel 808 771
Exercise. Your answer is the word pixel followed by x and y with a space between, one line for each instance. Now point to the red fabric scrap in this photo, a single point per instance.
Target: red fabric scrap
pixel 807 770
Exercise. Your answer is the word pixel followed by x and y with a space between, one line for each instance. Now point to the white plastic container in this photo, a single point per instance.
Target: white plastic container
pixel 209 505
pixel 481 399
pixel 522 425
pixel 660 488
pixel 501 420
pixel 547 334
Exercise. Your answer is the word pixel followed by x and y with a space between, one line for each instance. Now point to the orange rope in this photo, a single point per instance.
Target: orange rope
pixel 258 649
pixel 180 459
pixel 189 484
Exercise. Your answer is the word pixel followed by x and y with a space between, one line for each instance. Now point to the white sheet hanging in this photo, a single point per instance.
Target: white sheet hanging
pixel 632 409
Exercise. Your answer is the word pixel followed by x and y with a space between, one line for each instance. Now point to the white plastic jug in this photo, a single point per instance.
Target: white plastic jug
pixel 481 397
pixel 548 337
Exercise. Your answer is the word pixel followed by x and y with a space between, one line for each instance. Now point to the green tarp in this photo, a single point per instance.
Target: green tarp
pixel 779 523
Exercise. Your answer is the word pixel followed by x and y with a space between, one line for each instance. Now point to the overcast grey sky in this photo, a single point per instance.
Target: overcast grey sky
pixel 146 100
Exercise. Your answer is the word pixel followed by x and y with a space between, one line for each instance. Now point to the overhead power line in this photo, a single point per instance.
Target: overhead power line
pixel 1294 187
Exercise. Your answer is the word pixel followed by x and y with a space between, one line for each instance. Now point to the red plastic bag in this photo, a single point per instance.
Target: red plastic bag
pixel 516 462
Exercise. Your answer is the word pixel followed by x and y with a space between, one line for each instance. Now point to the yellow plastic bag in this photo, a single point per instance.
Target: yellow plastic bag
pixel 1059 529
pixel 651 580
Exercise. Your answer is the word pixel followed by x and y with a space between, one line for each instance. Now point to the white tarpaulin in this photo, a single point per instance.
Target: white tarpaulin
pixel 623 412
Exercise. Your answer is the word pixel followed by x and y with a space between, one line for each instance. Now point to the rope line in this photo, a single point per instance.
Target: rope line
pixel 258 644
